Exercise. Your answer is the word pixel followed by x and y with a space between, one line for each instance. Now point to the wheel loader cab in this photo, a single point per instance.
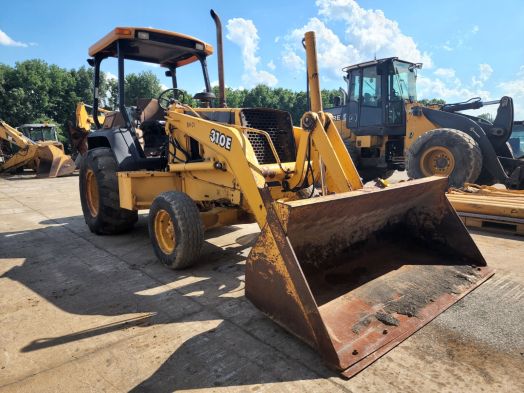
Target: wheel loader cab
pixel 39 132
pixel 373 120
pixel 136 131
pixel 378 91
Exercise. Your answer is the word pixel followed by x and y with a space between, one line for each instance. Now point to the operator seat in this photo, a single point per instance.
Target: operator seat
pixel 152 135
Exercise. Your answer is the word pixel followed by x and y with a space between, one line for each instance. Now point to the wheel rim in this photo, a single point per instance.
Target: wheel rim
pixel 437 160
pixel 92 193
pixel 165 232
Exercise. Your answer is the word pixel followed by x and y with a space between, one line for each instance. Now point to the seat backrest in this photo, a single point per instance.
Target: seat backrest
pixel 150 110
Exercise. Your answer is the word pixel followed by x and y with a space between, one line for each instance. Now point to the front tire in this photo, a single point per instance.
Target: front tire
pixel 99 194
pixel 176 229
pixel 445 152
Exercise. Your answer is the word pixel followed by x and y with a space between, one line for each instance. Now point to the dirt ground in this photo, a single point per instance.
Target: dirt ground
pixel 90 313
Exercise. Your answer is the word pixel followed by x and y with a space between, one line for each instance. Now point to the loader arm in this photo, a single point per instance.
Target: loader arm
pixel 84 120
pixel 27 148
pixel 327 144
pixel 239 159
pixel 233 154
pixel 353 274
pixel 82 126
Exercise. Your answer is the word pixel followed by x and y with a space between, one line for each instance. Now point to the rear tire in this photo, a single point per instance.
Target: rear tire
pixel 176 229
pixel 445 152
pixel 99 194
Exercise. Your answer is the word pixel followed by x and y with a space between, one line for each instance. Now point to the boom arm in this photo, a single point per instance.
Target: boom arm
pixel 473 103
pixel 84 120
pixel 27 148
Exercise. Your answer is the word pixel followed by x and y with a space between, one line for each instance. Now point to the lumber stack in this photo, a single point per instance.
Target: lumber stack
pixel 489 208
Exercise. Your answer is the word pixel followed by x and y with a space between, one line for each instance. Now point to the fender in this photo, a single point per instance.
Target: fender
pixel 127 152
pixel 470 127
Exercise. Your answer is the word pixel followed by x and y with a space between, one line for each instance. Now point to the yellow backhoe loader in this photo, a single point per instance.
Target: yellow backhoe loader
pixel 83 125
pixel 352 272
pixel 45 158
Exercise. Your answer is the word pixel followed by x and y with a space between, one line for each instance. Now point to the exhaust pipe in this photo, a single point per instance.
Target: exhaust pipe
pixel 220 54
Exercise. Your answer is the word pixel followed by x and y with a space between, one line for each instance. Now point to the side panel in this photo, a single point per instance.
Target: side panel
pixel 138 189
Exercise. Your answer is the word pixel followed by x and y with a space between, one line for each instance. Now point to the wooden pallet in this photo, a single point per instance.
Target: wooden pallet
pixel 506 225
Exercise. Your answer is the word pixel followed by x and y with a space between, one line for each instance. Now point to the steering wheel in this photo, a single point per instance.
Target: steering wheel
pixel 169 96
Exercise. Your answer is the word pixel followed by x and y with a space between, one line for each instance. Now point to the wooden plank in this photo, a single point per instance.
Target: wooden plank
pixel 488 205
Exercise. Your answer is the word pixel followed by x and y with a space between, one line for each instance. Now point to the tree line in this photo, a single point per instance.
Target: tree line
pixel 34 92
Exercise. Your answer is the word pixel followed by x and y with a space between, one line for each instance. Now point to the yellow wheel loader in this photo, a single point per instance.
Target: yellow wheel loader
pixel 46 158
pixel 352 272
pixel 386 129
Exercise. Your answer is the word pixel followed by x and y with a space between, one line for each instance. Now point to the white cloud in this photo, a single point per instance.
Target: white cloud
pixel 292 61
pixel 372 31
pixel 460 39
pixel 515 89
pixel 332 53
pixel 485 72
pixel 8 41
pixel 244 33
pixel 445 72
pixel 447 46
pixel 448 86
pixel 271 65
pixel 109 75
pixel 368 34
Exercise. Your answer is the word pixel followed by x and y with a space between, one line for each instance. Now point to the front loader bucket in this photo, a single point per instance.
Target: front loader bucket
pixel 53 162
pixel 355 274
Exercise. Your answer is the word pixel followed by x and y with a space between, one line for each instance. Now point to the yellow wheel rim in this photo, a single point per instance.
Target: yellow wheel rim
pixel 165 232
pixel 92 193
pixel 437 160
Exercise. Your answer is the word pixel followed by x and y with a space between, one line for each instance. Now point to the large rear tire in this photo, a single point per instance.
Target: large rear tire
pixel 445 152
pixel 99 194
pixel 176 229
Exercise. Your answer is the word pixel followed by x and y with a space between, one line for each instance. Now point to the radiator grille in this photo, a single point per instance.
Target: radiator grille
pixel 279 127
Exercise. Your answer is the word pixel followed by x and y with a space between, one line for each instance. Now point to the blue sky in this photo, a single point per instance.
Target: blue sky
pixel 469 48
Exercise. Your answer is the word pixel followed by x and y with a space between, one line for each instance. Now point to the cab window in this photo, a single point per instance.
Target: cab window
pixel 371 95
pixel 354 93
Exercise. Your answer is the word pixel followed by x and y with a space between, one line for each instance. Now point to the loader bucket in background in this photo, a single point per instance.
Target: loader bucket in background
pixel 53 162
pixel 355 274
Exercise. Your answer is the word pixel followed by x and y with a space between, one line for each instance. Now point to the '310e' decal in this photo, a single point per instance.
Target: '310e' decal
pixel 220 139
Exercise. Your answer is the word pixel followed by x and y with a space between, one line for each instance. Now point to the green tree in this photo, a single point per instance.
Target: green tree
pixel 431 101
pixel 142 85
pixel 486 116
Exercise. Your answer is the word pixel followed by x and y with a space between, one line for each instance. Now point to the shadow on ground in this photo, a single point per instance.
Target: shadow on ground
pixel 84 274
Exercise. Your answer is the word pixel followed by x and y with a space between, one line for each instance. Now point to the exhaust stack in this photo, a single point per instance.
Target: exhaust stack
pixel 220 54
